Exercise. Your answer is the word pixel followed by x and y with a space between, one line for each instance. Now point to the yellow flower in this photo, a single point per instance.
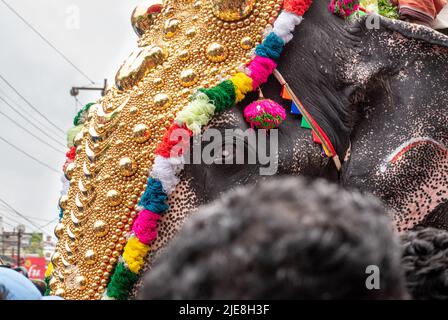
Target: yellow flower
pixel 134 254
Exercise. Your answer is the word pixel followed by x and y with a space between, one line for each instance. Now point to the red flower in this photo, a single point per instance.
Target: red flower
pixel 299 7
pixel 71 154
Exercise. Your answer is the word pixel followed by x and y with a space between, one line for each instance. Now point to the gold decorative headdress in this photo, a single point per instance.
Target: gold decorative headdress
pixel 184 45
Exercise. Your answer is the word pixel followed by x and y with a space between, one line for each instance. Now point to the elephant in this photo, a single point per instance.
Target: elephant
pixel 379 93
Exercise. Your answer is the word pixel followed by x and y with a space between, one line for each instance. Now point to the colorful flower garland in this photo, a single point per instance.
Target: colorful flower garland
pixel 190 121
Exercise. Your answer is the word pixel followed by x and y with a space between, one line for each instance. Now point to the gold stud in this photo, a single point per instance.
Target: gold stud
pixel 100 228
pixel 216 52
pixel 78 139
pixel 183 55
pixel 158 82
pixel 100 128
pixel 191 32
pixel 63 202
pixel 90 257
pixel 133 110
pixel 197 5
pixel 127 167
pixel 156 55
pixel 188 78
pixel 162 101
pixel 55 258
pixel 113 198
pixel 144 15
pixel 232 10
pixel 80 282
pixel 141 133
pixel 60 292
pixel 171 27
pixel 59 230
pixel 53 283
pixel 247 43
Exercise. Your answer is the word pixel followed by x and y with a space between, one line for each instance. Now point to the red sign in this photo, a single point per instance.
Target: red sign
pixel 36 267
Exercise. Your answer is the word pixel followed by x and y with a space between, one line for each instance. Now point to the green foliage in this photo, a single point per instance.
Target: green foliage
pixel 387 9
pixel 36 246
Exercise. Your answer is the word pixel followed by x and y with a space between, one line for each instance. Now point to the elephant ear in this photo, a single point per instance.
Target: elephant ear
pixel 383 45
pixel 413 31
pixel 400 134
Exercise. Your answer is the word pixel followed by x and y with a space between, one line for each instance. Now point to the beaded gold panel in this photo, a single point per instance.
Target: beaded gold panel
pixel 189 45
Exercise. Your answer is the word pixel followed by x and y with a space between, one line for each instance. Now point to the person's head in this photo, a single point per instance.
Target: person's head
pixel 22 271
pixel 425 261
pixel 17 286
pixel 284 239
pixel 40 285
pixel 3 293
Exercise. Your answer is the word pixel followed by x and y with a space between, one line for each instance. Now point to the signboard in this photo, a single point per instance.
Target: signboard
pixel 36 267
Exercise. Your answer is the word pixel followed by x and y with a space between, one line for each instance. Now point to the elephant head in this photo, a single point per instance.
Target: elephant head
pixel 379 89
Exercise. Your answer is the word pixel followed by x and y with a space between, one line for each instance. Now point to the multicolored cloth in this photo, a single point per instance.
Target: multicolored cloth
pixel 425 11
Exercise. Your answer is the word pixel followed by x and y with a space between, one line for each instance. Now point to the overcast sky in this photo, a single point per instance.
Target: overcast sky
pixel 98 47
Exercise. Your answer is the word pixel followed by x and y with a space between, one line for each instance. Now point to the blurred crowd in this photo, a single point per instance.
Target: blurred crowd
pixel 15 285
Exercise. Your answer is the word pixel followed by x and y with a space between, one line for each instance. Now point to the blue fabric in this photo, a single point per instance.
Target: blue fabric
pixel 17 286
pixel 271 47
pixel 154 198
pixel 294 109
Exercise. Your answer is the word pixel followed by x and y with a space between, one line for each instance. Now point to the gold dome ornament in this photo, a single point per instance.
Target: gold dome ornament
pixel 188 78
pixel 216 52
pixel 63 202
pixel 53 283
pixel 55 258
pixel 70 170
pixel 78 139
pixel 80 282
pixel 171 27
pixel 232 10
pixel 100 228
pixel 90 257
pixel 183 55
pixel 144 15
pixel 127 167
pixel 59 230
pixel 247 43
pixel 162 101
pixel 141 133
pixel 60 292
pixel 142 60
pixel 113 198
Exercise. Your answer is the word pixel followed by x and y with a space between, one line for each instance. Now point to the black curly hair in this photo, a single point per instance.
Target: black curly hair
pixel 425 261
pixel 284 239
